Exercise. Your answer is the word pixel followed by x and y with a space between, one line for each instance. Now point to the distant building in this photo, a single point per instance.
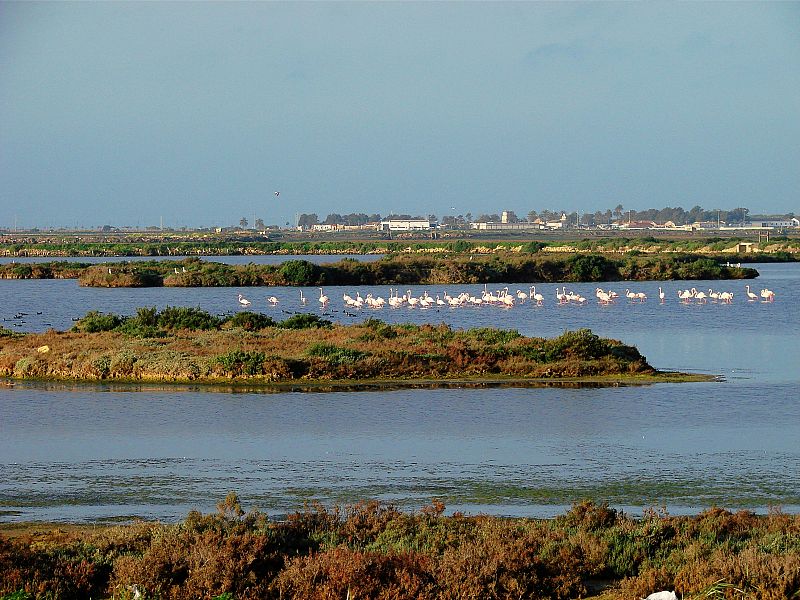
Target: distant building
pixel 491 225
pixel 637 225
pixel 560 224
pixel 777 223
pixel 405 225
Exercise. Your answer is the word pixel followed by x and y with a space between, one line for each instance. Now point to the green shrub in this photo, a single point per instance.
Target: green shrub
pixel 95 321
pixel 589 267
pixel 102 365
pixel 250 321
pixel 18 595
pixel 533 247
pixel 304 321
pixel 461 246
pixel 299 272
pixel 238 362
pixel 489 335
pixel 182 317
pixel 335 354
pixel 378 329
pixel 146 316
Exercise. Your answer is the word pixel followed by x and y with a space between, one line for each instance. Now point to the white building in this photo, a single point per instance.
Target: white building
pixel 405 225
pixel 777 223
pixel 491 225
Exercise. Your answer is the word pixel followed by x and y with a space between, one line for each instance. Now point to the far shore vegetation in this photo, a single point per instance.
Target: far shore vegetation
pixel 180 344
pixel 404 269
pixel 157 245
pixel 373 550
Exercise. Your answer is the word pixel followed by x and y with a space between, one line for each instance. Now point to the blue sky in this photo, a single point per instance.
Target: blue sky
pixel 122 113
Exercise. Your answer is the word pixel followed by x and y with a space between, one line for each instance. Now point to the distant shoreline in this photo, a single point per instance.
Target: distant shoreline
pixel 413 269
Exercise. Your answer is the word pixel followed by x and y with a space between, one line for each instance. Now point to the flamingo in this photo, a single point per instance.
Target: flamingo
pixel 685 296
pixel 602 296
pixel 412 302
pixel 522 296
pixel 661 295
pixel 302 298
pixel 768 295
pixel 713 295
pixel 751 297
pixel 726 297
pixel 323 299
pixel 272 300
pixel 699 296
pixel 536 296
pixel 244 301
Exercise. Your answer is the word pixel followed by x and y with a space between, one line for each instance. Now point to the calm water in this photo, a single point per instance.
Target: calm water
pixel 83 452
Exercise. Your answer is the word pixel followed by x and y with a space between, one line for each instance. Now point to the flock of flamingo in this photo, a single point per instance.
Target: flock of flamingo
pixel 504 299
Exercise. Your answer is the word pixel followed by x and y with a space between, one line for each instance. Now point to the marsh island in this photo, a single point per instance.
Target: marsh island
pixel 180 344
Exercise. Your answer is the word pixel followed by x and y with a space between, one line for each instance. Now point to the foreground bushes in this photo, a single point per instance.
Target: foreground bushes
pixel 372 550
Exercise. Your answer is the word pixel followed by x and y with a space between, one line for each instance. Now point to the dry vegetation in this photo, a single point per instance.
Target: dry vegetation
pixel 372 550
pixel 186 344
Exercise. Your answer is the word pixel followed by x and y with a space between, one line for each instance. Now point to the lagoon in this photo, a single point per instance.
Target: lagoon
pixel 82 453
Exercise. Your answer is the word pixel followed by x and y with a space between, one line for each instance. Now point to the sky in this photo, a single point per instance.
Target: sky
pixel 196 112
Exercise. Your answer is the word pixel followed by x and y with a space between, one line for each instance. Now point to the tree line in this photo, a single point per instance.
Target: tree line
pixel 677 215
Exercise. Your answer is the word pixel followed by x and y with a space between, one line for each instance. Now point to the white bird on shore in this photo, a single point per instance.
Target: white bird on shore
pixel 662 596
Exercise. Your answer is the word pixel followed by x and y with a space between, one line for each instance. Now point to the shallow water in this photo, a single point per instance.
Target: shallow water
pixel 87 452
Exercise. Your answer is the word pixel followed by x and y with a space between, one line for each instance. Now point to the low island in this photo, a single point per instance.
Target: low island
pixel 189 345
pixel 413 269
